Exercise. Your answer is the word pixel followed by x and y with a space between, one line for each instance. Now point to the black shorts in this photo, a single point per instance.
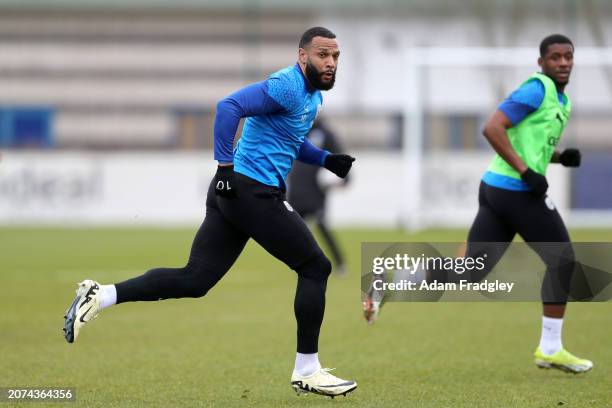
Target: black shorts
pixel 501 215
pixel 504 213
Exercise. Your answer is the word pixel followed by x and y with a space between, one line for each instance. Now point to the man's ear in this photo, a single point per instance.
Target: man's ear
pixel 540 61
pixel 302 56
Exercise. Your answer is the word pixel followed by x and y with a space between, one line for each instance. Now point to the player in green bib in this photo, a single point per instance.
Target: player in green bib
pixel 525 131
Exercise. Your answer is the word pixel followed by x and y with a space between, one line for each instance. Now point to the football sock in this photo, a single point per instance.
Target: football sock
pixel 306 364
pixel 550 342
pixel 108 296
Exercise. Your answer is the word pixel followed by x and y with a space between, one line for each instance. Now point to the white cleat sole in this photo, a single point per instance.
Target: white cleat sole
pixel 75 318
pixel 304 390
pixel 568 369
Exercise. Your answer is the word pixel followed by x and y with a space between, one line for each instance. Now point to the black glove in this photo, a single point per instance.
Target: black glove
pixel 339 164
pixel 536 181
pixel 224 182
pixel 570 158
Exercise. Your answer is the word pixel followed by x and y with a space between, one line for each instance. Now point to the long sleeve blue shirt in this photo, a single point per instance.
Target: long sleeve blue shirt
pixel 280 111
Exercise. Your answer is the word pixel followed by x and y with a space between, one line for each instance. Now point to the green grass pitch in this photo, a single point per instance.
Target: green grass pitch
pixel 235 347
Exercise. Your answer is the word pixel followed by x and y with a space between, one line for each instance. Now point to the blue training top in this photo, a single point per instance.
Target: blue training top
pixel 523 101
pixel 280 112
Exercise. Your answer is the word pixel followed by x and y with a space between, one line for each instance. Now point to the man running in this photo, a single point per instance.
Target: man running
pixel 246 199
pixel 524 131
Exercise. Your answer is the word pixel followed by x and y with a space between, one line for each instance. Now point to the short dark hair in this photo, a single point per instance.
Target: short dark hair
pixel 315 32
pixel 553 39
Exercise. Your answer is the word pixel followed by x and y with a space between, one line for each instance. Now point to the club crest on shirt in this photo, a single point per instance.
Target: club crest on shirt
pixel 305 114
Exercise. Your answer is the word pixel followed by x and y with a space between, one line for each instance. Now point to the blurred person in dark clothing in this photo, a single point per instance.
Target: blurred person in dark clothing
pixel 308 189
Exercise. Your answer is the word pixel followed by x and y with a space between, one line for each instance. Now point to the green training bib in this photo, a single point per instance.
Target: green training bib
pixel 535 137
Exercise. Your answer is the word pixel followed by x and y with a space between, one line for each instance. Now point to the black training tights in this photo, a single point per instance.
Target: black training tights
pixel 260 213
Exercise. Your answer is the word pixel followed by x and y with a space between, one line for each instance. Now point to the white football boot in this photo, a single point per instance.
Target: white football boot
pixel 371 309
pixel 321 382
pixel 84 307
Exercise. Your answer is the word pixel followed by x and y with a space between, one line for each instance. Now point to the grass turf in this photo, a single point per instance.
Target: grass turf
pixel 235 347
